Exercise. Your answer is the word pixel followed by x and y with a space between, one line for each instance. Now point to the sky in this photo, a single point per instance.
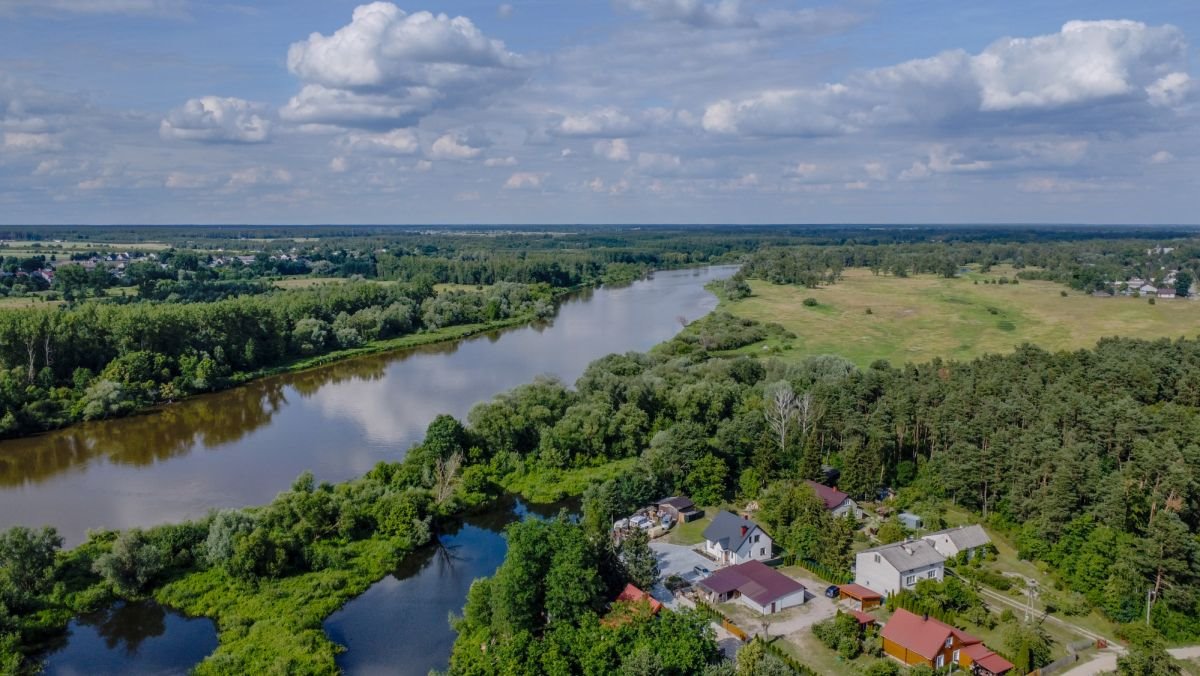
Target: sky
pixel 599 111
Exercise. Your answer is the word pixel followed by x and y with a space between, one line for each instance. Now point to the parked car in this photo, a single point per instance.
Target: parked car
pixel 641 522
pixel 832 591
pixel 701 571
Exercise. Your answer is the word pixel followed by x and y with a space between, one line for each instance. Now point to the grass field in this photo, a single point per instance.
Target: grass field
pixel 917 318
pixel 306 282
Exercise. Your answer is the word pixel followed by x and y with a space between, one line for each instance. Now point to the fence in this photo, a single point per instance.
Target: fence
pixel 1062 663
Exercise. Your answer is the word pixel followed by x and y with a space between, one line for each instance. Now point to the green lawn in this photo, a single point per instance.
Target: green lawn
pixel 918 318
pixel 692 532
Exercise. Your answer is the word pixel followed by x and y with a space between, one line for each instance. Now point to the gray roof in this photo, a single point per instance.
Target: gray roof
pixel 908 555
pixel 726 530
pixel 965 537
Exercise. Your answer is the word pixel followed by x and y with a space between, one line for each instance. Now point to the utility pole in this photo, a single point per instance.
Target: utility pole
pixel 1149 596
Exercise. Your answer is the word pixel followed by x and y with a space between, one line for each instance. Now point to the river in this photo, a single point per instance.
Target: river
pixel 242 446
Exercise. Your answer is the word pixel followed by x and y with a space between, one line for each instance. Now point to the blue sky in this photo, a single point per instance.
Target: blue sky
pixel 598 111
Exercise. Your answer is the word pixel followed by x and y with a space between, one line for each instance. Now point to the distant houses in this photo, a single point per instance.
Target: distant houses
pixel 970 539
pixel 732 539
pixel 755 585
pixel 901 565
pixel 914 639
pixel 836 502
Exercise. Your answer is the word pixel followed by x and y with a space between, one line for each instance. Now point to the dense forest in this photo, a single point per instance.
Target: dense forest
pixel 1087 459
pixel 90 361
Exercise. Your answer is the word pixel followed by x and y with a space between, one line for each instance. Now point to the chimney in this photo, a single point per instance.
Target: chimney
pixel 744 529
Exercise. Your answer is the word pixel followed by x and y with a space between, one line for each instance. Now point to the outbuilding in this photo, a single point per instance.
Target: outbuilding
pixel 681 509
pixel 860 597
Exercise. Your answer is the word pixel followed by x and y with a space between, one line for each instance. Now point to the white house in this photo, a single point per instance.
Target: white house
pixel 949 542
pixel 901 565
pixel 836 502
pixel 735 539
pixel 756 585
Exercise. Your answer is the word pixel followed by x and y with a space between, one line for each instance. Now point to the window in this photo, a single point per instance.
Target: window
pixel 762 551
pixel 941 661
pixel 949 641
pixel 932 574
pixel 908 581
pixel 756 538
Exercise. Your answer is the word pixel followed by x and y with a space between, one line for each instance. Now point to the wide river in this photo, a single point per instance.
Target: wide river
pixel 242 446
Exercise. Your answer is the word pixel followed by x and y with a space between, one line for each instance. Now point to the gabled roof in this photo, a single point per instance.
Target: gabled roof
pixel 924 636
pixel 831 496
pixel 632 594
pixel 965 537
pixel 908 555
pixel 862 617
pixel 984 657
pixel 726 530
pixel 754 579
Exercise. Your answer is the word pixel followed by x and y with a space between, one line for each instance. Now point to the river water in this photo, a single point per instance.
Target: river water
pixel 242 446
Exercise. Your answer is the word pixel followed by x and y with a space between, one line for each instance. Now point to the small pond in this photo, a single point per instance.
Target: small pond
pixel 401 624
pixel 132 638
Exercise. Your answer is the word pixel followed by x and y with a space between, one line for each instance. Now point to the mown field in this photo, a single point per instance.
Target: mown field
pixel 917 318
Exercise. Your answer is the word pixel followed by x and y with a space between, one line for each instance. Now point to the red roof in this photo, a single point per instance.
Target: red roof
pixel 923 636
pixel 633 594
pixel 984 657
pixel 832 496
pixel 862 617
pixel 857 591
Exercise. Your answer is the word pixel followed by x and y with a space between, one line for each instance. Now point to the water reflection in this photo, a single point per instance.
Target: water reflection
pixel 400 625
pixel 126 638
pixel 242 446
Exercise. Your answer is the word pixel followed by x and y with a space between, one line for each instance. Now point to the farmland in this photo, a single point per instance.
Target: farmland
pixel 865 317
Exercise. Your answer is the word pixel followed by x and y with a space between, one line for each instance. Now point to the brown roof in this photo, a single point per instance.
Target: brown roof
pixel 862 617
pixel 984 657
pixel 859 592
pixel 754 579
pixel 831 496
pixel 924 636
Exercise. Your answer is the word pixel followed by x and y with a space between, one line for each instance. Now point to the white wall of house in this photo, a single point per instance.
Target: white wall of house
pixel 946 547
pixel 875 573
pixel 757 546
pixel 793 599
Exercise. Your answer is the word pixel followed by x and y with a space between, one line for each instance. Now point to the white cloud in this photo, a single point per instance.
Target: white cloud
pixel 451 147
pixel 339 165
pixel 1092 63
pixel 213 119
pixel 509 161
pixel 31 141
pixel 616 150
pixel 394 142
pixel 388 68
pixel 524 180
pixel 722 13
pixel 602 122
pixel 1161 157
pixel 423 165
pixel 876 171
pixel 504 11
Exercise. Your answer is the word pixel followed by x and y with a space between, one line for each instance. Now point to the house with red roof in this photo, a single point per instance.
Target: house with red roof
pixel 836 502
pixel 632 594
pixel 914 639
pixel 756 585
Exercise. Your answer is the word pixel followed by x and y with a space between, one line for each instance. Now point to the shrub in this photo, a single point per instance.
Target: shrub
pixel 132 563
pixel 810 302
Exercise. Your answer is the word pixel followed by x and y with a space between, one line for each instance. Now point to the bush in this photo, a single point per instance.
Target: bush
pixel 810 302
pixel 132 563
